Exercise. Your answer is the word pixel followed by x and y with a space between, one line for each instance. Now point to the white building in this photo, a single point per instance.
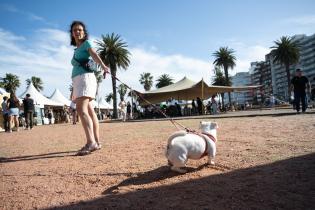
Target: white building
pixel 242 79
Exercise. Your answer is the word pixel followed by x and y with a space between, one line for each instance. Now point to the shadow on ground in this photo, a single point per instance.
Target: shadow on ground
pixel 286 184
pixel 39 156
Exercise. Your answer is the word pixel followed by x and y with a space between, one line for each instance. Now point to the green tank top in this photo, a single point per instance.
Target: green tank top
pixel 81 54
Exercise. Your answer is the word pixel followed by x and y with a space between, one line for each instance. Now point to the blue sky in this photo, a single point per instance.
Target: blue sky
pixel 176 37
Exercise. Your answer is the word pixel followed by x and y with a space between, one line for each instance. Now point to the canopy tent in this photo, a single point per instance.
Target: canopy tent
pixel 186 89
pixel 38 98
pixel 102 104
pixel 58 97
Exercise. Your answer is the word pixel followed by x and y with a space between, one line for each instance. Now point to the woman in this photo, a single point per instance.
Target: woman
pixel 84 85
pixel 13 105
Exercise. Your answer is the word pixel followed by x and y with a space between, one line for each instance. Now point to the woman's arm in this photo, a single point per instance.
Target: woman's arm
pixel 98 60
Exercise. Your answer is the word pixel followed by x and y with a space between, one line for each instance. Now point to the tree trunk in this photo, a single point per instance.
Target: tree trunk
pixel 287 69
pixel 226 73
pixel 113 72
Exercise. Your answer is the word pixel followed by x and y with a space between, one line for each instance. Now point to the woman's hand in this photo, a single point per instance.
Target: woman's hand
pixel 106 70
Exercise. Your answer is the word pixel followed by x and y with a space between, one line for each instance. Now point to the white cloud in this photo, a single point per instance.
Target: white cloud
pixel 48 59
pixel 177 66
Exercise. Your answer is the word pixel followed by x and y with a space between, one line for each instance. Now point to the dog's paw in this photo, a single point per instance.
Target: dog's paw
pixel 211 162
pixel 182 171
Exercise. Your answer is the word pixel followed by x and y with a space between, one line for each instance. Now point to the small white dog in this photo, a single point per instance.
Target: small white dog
pixel 183 146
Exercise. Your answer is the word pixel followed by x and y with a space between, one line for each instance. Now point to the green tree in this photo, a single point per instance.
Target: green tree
pixel 37 82
pixel 109 97
pixel 10 82
pixel 286 52
pixel 220 80
pixel 122 90
pixel 225 58
pixel 146 79
pixel 164 80
pixel 113 52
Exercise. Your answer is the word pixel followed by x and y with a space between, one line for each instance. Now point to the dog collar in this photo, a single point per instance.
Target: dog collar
pixel 210 137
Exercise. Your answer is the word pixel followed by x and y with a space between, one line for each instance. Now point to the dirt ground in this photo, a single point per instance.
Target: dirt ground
pixel 263 162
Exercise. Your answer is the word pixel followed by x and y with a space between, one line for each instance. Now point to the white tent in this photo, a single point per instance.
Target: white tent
pixel 58 97
pixel 102 104
pixel 38 98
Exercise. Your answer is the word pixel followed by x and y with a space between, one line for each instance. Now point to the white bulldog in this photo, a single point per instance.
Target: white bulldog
pixel 183 146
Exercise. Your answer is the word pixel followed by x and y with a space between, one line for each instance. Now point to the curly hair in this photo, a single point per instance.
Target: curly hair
pixel 77 22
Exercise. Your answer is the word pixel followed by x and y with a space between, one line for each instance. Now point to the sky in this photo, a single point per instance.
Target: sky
pixel 175 37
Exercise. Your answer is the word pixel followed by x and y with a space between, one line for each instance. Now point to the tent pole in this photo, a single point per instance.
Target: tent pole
pixel 202 94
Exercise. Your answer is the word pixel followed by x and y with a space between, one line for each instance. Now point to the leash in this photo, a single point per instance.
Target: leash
pixel 176 124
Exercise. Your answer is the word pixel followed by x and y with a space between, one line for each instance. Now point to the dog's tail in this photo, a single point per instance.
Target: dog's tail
pixel 170 139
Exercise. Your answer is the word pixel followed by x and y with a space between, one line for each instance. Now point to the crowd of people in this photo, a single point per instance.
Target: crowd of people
pixel 11 112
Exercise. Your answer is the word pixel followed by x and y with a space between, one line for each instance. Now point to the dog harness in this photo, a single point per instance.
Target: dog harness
pixel 205 153
pixel 203 135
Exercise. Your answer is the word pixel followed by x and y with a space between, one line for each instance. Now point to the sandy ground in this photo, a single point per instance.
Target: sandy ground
pixel 263 162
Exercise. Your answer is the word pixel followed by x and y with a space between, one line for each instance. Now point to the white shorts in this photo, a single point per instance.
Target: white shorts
pixel 84 85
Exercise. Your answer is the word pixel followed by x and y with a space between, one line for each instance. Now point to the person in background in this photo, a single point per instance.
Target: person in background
pixel 200 106
pixel 194 107
pixel 272 101
pixel 122 105
pixel 5 114
pixel 49 115
pixel 13 105
pixel 84 85
pixel 214 105
pixel 299 84
pixel 73 112
pixel 29 109
pixel 128 110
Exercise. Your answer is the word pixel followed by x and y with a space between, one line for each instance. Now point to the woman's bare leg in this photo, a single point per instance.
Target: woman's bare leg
pixel 16 121
pixel 10 123
pixel 82 104
pixel 95 123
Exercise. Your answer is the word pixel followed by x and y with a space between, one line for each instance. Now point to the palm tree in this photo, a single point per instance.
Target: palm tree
pixel 286 52
pixel 99 79
pixel 37 82
pixel 108 97
pixel 146 79
pixel 122 90
pixel 164 80
pixel 225 58
pixel 113 52
pixel 10 82
pixel 220 80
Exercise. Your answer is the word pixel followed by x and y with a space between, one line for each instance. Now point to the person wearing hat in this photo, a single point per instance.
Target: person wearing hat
pixel 299 84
